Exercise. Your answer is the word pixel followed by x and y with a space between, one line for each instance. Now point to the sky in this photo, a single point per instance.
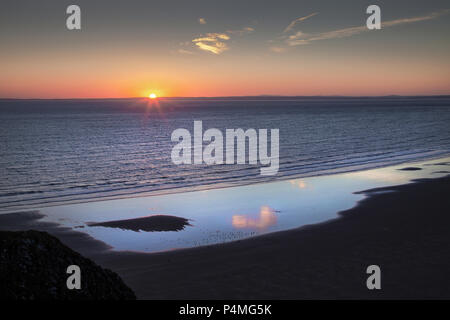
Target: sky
pixel 223 48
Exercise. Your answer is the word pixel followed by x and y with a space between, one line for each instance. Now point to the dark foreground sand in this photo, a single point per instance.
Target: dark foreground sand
pixel 406 232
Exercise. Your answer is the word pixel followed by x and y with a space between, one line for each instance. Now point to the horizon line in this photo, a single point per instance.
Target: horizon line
pixel 242 97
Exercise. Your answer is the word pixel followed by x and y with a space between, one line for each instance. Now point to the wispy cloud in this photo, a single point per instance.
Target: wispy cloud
pixel 301 38
pixel 217 47
pixel 277 49
pixel 183 51
pixel 201 20
pixel 293 23
pixel 212 42
pixel 212 37
pixel 241 31
pixel 216 42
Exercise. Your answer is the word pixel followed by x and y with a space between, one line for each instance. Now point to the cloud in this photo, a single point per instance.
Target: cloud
pixel 293 23
pixel 215 42
pixel 297 35
pixel 277 49
pixel 301 38
pixel 217 47
pixel 201 20
pixel 212 42
pixel 241 31
pixel 183 51
pixel 212 37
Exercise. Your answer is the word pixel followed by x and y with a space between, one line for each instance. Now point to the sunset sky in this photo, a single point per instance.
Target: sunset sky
pixel 223 48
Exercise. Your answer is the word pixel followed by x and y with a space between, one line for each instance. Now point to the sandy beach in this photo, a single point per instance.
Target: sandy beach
pixel 405 232
pixel 403 229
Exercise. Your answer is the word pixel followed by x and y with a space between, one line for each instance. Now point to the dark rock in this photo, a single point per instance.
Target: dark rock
pixel 410 169
pixel 150 224
pixel 33 265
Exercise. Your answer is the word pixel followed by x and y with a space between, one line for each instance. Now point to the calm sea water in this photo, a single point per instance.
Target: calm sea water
pixel 57 151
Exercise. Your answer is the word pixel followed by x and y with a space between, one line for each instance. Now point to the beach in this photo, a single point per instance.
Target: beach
pixel 211 150
pixel 401 228
pixel 404 232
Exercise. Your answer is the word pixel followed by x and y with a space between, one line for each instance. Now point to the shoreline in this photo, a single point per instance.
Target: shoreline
pixel 256 209
pixel 402 228
pixel 218 186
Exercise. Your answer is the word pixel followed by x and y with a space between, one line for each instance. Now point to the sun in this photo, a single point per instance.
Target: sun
pixel 152 96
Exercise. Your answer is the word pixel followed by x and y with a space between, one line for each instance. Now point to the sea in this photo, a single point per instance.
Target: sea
pixel 55 152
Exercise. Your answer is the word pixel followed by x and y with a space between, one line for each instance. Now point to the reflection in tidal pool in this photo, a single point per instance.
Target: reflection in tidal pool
pixel 301 184
pixel 265 219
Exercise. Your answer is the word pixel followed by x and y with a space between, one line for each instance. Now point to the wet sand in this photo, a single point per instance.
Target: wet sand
pixel 30 220
pixel 403 229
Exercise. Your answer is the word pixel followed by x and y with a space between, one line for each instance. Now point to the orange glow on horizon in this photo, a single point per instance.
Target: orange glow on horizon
pixel 29 80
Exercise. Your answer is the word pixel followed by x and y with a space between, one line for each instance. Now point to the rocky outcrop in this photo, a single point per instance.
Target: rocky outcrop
pixel 33 265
